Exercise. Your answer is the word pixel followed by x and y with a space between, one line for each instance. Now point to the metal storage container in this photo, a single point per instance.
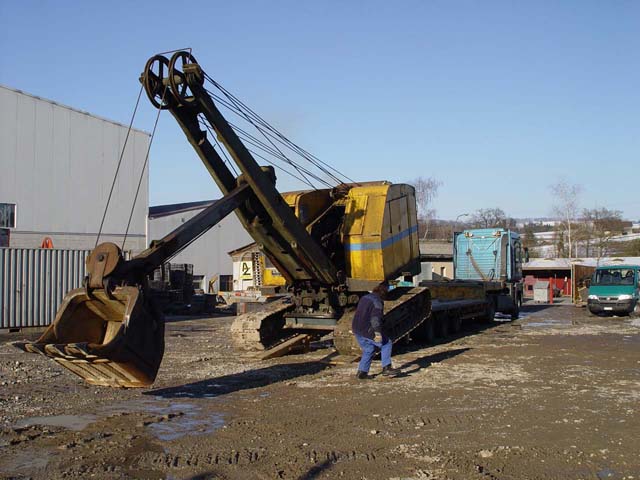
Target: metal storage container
pixel 33 282
pixel 541 292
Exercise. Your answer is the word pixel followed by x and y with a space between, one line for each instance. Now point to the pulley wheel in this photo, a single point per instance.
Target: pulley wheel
pixel 153 80
pixel 178 79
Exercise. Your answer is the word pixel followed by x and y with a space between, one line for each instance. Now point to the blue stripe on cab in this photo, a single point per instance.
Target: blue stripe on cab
pixel 356 247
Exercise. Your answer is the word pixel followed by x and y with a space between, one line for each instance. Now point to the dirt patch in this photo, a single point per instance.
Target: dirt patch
pixel 553 395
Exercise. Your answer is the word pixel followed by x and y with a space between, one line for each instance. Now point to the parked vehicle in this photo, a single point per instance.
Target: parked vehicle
pixel 487 266
pixel 614 290
pixel 493 256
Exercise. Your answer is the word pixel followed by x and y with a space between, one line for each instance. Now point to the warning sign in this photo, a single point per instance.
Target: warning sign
pixel 246 270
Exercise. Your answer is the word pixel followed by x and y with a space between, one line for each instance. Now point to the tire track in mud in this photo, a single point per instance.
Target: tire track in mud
pixel 496 463
pixel 242 457
pixel 422 421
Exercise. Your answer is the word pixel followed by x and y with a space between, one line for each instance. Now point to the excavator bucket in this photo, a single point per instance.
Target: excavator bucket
pixel 114 340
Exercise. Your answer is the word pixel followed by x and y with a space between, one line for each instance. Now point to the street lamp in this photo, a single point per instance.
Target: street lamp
pixel 455 223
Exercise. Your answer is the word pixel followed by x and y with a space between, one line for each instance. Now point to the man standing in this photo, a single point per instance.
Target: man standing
pixel 367 328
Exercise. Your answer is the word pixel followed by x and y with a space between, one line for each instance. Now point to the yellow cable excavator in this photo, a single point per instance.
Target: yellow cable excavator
pixel 332 245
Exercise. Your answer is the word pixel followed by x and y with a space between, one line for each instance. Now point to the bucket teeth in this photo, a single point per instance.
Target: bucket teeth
pixel 79 350
pixel 57 350
pixel 30 347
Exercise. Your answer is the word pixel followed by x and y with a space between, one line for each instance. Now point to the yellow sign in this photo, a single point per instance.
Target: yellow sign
pixel 246 270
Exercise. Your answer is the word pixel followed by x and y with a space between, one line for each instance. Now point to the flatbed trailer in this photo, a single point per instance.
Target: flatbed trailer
pixel 455 302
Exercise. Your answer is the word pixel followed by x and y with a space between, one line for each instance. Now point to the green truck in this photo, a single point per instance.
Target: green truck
pixel 614 290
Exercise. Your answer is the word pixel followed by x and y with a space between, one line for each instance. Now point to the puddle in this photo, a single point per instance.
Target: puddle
pixel 26 460
pixel 72 422
pixel 187 424
pixel 183 418
pixel 506 317
pixel 606 473
pixel 547 323
pixel 191 419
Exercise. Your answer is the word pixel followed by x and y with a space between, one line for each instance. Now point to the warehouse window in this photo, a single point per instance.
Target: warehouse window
pixel 7 215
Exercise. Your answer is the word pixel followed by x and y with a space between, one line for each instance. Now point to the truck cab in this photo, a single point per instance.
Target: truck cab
pixel 615 290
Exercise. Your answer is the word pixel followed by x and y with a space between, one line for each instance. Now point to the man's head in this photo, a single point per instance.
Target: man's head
pixel 381 290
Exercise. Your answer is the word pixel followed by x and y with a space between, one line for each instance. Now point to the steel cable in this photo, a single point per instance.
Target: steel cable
pixel 301 151
pixel 235 105
pixel 144 167
pixel 115 177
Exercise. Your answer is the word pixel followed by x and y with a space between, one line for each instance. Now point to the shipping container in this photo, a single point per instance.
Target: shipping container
pixel 33 282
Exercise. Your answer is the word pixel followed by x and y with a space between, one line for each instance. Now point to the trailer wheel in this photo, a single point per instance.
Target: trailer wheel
pixel 456 322
pixel 425 332
pixel 515 313
pixel 490 312
pixel 429 330
pixel 443 328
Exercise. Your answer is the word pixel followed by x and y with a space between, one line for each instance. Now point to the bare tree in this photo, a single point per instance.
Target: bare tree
pixel 601 224
pixel 426 192
pixel 529 239
pixel 491 217
pixel 566 207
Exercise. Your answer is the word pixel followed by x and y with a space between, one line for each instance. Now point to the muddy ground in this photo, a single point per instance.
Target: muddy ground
pixel 553 395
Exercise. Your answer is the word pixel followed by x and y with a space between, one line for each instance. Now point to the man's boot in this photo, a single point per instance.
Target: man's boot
pixel 389 371
pixel 362 375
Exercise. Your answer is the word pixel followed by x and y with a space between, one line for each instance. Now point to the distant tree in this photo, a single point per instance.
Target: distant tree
pixel 581 236
pixel 559 245
pixel 426 192
pixel 628 249
pixel 491 217
pixel 600 224
pixel 529 240
pixel 566 207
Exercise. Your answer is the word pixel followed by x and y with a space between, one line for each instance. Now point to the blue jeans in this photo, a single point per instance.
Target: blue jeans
pixel 368 347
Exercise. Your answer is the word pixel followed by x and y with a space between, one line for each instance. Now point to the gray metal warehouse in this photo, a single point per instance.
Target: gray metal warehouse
pixel 209 253
pixel 57 167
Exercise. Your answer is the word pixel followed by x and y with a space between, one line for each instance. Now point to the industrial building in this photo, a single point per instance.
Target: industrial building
pixel 57 165
pixel 209 254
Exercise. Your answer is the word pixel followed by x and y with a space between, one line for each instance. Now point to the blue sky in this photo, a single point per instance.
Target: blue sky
pixel 497 100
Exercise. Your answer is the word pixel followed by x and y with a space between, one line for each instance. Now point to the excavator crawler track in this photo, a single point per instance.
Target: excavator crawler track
pixel 261 329
pixel 404 310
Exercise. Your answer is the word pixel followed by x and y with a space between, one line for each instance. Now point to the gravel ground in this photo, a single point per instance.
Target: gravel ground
pixel 553 395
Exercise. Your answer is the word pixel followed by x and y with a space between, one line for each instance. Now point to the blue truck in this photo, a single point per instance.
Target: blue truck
pixel 487 265
pixel 493 256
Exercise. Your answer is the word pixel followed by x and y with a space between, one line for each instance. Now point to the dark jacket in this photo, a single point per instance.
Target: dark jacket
pixel 368 318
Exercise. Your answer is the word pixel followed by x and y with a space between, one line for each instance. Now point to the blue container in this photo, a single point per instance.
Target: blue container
pixel 487 254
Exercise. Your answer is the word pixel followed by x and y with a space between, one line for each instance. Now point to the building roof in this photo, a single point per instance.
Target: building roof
pixel 547 264
pixel 565 263
pixel 72 109
pixel 174 208
pixel 253 246
pixel 436 248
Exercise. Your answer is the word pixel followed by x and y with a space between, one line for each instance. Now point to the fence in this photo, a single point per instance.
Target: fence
pixel 33 282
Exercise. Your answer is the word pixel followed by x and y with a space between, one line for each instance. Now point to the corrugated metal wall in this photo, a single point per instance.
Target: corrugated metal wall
pixel 479 257
pixel 33 283
pixel 57 165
